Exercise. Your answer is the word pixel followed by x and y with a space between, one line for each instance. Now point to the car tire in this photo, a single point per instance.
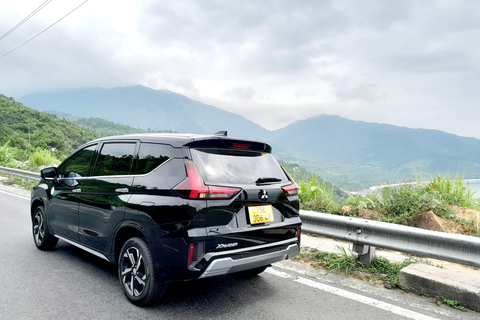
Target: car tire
pixel 251 273
pixel 137 274
pixel 41 235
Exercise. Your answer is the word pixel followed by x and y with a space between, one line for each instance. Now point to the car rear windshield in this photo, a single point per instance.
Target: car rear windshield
pixel 220 167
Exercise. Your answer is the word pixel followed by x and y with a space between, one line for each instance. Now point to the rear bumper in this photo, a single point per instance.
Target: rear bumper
pixel 225 262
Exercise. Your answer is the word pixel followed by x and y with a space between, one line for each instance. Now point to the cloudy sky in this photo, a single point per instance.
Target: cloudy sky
pixel 407 63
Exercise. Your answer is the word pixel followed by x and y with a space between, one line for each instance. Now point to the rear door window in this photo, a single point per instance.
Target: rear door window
pixel 115 159
pixel 219 166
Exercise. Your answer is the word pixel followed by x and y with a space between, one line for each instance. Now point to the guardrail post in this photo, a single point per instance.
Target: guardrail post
pixel 365 253
pixel 10 177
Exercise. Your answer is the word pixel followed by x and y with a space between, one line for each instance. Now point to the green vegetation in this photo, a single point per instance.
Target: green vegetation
pixel 43 158
pixel 379 271
pixel 403 204
pixel 319 197
pixel 453 191
pixel 451 303
pixel 300 174
pixel 6 156
pixel 105 128
pixel 30 139
pixel 24 130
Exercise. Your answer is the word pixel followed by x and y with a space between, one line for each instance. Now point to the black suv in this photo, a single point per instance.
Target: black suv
pixel 170 207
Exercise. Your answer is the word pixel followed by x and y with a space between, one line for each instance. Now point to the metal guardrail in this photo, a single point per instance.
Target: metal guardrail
pixel 20 173
pixel 368 234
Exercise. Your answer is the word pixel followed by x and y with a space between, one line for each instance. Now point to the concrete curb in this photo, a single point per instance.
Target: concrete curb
pixel 436 279
pixel 463 287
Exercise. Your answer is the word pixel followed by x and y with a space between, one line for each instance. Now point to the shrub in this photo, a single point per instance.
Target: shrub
pixel 402 205
pixel 318 197
pixel 43 158
pixel 6 153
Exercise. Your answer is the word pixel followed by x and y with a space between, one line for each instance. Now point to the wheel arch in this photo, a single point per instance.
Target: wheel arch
pixel 36 202
pixel 126 231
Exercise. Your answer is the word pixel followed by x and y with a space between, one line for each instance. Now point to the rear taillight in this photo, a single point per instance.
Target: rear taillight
pixel 194 188
pixel 291 189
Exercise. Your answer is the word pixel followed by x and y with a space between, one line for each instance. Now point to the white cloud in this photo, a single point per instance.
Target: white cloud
pixel 401 62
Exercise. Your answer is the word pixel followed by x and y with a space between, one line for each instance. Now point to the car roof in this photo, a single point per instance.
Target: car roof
pixel 186 139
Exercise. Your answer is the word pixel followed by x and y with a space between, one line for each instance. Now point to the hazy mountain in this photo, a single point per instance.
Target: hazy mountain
pixel 142 107
pixel 356 152
pixel 352 154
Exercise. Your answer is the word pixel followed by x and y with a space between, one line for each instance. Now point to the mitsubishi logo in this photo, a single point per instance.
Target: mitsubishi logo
pixel 263 195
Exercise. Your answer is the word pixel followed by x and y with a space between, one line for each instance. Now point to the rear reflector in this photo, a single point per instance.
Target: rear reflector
pixel 194 188
pixel 190 253
pixel 195 252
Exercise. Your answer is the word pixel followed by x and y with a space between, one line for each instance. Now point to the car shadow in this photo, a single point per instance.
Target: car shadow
pixel 204 298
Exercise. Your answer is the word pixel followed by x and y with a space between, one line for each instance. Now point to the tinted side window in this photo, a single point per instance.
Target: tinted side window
pixel 151 155
pixel 115 159
pixel 77 165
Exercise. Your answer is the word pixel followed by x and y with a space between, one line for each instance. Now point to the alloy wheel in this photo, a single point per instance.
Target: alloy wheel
pixel 134 272
pixel 38 228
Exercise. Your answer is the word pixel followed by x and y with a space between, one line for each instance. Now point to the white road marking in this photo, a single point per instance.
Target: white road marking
pixel 15 195
pixel 353 296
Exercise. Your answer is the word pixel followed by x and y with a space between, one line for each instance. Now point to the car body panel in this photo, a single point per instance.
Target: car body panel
pixel 189 237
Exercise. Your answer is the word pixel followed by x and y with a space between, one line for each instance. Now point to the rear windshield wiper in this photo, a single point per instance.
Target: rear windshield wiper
pixel 267 180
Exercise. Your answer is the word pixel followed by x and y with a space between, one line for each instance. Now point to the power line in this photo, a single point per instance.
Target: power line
pixel 81 4
pixel 43 5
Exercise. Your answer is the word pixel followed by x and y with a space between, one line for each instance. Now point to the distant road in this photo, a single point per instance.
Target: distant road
pixel 473 184
pixel 68 283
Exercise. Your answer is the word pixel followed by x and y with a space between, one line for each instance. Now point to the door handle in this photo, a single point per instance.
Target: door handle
pixel 121 190
pixel 77 191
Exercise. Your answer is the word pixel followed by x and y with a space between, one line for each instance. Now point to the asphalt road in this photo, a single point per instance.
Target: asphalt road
pixel 68 283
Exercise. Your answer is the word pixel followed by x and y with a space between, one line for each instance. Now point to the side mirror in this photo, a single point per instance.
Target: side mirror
pixel 49 174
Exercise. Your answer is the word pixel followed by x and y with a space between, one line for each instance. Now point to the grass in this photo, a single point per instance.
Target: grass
pixel 318 197
pixel 42 158
pixel 380 271
pixel 451 303
pixel 453 191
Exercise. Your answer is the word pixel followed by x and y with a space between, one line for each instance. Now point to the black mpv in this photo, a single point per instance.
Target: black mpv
pixel 170 207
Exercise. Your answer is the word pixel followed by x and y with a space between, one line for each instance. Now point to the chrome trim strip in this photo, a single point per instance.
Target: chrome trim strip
pixel 95 253
pixel 228 265
pixel 210 255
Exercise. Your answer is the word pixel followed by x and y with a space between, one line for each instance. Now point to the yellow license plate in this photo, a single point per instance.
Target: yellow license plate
pixel 260 214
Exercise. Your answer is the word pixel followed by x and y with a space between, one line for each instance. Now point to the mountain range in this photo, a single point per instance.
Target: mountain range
pixel 351 154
